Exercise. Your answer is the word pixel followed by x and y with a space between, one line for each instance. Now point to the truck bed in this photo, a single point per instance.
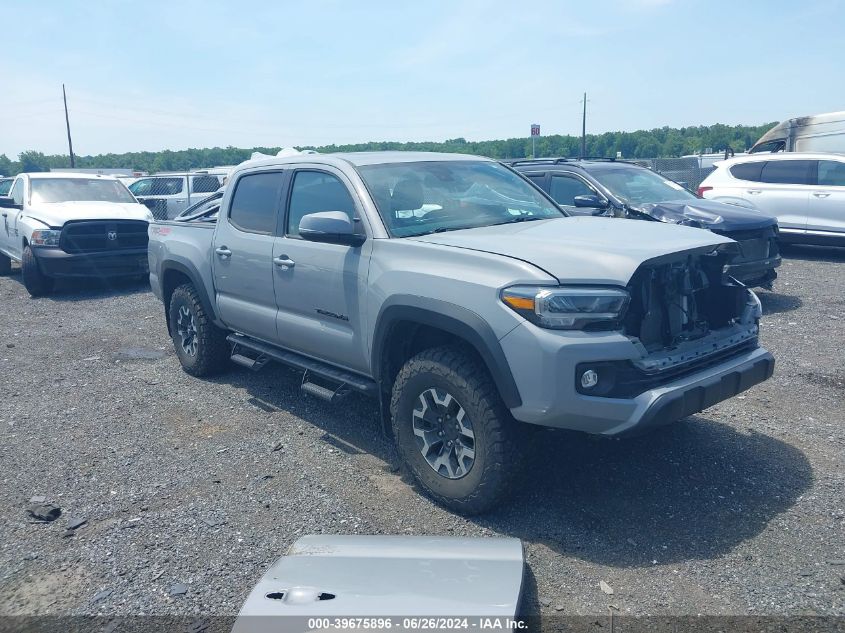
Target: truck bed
pixel 186 244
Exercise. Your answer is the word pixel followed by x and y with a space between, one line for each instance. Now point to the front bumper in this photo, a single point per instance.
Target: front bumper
pixel 55 262
pixel 544 365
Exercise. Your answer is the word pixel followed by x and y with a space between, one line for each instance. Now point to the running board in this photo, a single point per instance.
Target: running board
pixel 323 370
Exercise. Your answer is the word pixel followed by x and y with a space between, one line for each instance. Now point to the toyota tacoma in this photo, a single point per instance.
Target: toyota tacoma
pixel 461 297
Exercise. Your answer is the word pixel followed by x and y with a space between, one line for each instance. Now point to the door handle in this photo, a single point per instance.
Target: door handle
pixel 284 262
pixel 223 252
pixel 754 192
pixel 818 194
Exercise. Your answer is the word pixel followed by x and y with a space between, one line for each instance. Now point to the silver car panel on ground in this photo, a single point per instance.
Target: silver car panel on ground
pixel 388 576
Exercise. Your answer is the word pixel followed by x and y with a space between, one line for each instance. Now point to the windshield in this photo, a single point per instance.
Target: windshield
pixel 79 190
pixel 428 197
pixel 640 186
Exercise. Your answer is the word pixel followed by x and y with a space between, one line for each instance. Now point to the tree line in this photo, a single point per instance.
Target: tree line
pixel 657 143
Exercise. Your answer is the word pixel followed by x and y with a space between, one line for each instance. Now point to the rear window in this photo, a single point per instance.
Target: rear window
pixel 747 171
pixel 205 184
pixel 255 204
pixel 157 186
pixel 787 172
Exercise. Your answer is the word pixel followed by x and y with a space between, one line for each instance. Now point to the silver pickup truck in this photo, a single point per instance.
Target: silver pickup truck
pixel 463 298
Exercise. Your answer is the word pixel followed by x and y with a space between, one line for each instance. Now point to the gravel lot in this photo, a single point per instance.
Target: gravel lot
pixel 737 510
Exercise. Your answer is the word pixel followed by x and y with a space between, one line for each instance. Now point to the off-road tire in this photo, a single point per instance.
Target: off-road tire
pixel 212 350
pixel 5 265
pixel 489 480
pixel 36 282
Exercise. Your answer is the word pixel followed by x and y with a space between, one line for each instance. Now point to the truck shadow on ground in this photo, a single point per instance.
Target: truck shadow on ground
pixel 776 303
pixel 695 490
pixel 90 289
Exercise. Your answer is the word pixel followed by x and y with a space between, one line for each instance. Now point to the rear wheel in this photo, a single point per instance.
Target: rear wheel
pixel 453 431
pixel 200 345
pixel 5 264
pixel 36 282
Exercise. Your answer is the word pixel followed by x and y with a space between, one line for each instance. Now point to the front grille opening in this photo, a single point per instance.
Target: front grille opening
pixel 94 236
pixel 681 301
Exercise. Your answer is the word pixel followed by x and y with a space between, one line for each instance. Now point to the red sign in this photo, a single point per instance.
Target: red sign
pixel 535 129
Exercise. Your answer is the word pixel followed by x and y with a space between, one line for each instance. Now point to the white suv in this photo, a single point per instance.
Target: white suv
pixel 806 192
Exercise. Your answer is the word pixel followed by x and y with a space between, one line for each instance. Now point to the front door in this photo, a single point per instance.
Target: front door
pixel 320 288
pixel 12 242
pixel 242 255
pixel 827 201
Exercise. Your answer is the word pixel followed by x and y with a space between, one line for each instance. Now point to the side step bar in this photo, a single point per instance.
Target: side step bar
pixel 265 352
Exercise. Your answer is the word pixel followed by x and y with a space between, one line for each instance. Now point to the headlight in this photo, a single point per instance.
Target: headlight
pixel 47 237
pixel 567 308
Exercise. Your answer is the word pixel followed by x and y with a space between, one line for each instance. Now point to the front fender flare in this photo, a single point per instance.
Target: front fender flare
pixel 455 320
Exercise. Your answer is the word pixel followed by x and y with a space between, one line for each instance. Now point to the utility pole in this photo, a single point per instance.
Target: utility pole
pixel 584 129
pixel 67 123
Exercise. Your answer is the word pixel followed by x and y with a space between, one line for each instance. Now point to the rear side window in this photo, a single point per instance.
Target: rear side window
pixel 787 172
pixel 255 203
pixel 156 187
pixel 205 184
pixel 747 171
pixel 5 187
pixel 315 191
pixel 564 189
pixel 831 173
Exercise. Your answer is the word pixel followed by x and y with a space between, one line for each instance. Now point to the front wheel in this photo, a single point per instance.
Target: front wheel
pixel 200 345
pixel 35 281
pixel 453 430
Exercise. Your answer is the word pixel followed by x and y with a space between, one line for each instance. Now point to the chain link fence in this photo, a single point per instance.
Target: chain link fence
pixel 685 171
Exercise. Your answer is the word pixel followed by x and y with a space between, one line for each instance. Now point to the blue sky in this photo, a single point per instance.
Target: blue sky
pixel 153 75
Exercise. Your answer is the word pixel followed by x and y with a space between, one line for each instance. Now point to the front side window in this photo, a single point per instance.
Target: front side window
pixel 17 191
pixel 417 198
pixel 156 187
pixel 640 186
pixel 313 192
pixel 255 203
pixel 786 172
pixel 831 173
pixel 564 189
pixel 48 190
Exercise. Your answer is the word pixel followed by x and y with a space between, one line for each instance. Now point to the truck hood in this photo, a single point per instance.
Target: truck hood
pixel 708 214
pixel 55 214
pixel 582 249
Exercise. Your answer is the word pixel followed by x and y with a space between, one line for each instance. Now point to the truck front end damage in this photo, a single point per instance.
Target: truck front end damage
pixel 688 339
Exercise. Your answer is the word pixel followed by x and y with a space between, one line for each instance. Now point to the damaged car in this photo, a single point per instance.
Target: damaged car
pixel 463 300
pixel 620 189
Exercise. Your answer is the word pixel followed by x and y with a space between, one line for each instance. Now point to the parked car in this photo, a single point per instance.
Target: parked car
pixel 168 195
pixel 806 192
pixel 620 189
pixel 463 299
pixel 70 225
pixel 5 186
pixel 817 133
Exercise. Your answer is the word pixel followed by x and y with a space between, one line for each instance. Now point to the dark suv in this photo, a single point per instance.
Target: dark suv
pixel 620 189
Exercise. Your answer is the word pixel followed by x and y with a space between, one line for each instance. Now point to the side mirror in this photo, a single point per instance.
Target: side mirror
pixel 9 203
pixel 591 201
pixel 330 227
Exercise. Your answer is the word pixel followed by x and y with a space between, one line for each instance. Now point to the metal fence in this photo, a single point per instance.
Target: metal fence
pixel 685 171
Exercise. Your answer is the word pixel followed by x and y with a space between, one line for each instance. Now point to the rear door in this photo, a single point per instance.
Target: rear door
pixel 320 287
pixel 784 190
pixel 243 254
pixel 827 199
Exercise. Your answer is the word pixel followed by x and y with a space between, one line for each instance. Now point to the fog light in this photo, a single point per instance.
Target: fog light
pixel 589 379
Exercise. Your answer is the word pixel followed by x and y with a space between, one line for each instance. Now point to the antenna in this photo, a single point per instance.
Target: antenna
pixel 584 129
pixel 67 123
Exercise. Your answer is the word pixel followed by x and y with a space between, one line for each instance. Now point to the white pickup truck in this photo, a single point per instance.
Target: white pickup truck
pixel 70 225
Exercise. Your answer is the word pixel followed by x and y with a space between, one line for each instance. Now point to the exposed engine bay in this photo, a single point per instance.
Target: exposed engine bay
pixel 686 309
